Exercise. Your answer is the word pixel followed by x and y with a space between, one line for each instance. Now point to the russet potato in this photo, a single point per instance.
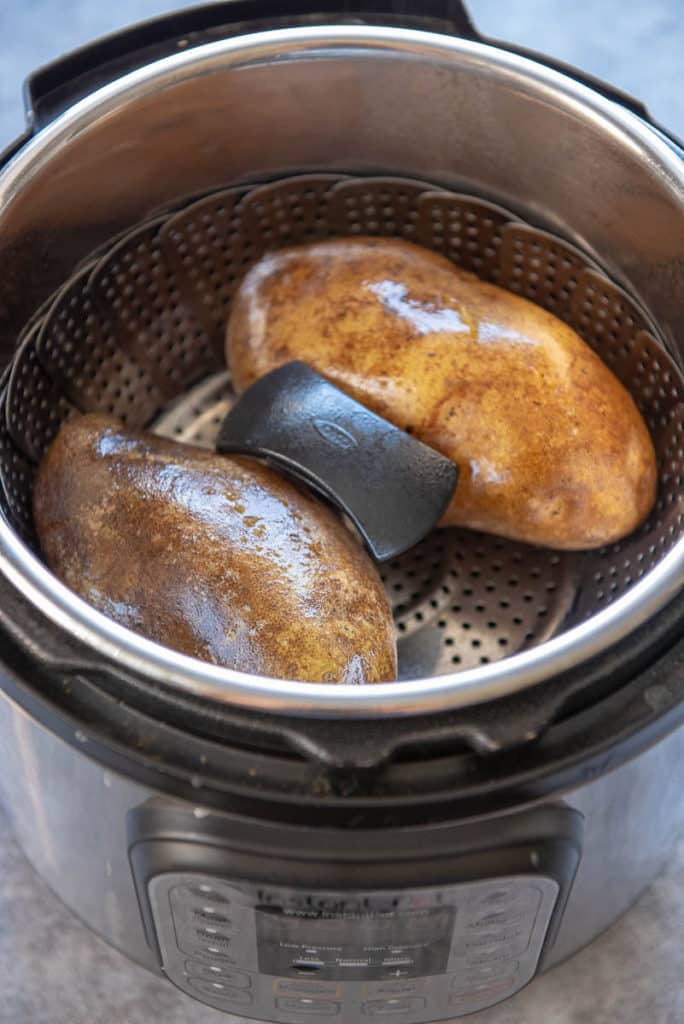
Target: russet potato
pixel 217 557
pixel 552 448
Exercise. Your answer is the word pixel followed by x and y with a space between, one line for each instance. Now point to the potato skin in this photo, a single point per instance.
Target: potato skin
pixel 552 448
pixel 217 557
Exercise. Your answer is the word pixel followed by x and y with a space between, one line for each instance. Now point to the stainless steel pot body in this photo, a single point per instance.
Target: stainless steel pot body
pixel 70 816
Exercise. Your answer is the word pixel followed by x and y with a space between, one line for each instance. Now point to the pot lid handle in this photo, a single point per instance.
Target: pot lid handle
pixel 394 488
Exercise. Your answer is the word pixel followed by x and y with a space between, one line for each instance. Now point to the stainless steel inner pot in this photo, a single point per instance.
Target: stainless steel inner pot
pixel 360 101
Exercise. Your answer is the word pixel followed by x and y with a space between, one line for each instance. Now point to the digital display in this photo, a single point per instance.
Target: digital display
pixel 354 946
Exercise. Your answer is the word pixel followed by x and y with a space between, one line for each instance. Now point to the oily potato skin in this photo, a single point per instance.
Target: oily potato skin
pixel 217 557
pixel 551 447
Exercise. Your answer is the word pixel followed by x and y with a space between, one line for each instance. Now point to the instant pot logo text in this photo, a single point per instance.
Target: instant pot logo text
pixel 338 904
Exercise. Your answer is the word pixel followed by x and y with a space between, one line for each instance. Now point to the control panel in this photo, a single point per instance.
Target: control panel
pixel 294 956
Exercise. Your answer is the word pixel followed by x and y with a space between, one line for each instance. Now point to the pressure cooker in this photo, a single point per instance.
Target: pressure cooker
pixel 291 852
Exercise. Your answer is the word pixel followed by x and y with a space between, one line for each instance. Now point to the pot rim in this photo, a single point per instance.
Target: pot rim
pixel 511 675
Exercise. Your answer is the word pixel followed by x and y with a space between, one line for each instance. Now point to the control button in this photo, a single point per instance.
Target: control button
pixel 507 896
pixel 481 996
pixel 207 951
pixel 496 945
pixel 394 988
pixel 297 986
pixel 496 897
pixel 501 918
pixel 210 934
pixel 500 956
pixel 491 917
pixel 397 972
pixel 486 987
pixel 217 972
pixel 204 892
pixel 399 1004
pixel 307 966
pixel 499 934
pixel 514 925
pixel 472 986
pixel 483 972
pixel 304 1004
pixel 208 916
pixel 218 990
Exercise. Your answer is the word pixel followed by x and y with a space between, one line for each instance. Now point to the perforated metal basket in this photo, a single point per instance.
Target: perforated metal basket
pixel 138 331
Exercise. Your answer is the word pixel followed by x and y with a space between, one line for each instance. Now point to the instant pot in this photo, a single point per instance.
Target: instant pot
pixel 414 851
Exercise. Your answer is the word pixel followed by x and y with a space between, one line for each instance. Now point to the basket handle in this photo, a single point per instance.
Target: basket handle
pixel 394 488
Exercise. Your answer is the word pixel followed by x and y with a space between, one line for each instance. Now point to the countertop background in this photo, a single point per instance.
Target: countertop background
pixel 52 969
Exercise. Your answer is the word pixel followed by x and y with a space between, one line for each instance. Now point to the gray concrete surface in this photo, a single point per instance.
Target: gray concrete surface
pixel 52 969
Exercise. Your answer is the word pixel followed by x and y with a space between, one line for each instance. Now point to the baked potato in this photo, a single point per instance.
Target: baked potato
pixel 217 557
pixel 551 447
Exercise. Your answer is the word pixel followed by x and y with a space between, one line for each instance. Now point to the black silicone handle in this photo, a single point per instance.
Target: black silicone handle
pixel 394 488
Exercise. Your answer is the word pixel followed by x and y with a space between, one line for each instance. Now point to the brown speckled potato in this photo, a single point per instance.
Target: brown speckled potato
pixel 217 557
pixel 551 447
